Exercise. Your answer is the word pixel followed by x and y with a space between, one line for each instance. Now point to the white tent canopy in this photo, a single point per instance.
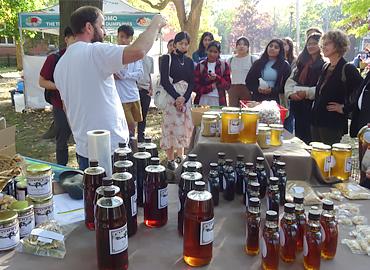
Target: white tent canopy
pixel 116 13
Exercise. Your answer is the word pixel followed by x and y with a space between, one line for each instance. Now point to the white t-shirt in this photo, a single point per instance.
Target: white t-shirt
pixel 239 67
pixel 148 65
pixel 126 86
pixel 212 68
pixel 84 78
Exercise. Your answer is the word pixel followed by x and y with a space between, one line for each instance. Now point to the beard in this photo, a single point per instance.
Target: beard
pixel 96 37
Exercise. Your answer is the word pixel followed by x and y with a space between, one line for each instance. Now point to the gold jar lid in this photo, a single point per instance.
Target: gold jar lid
pixel 7 216
pixel 21 206
pixel 209 117
pixel 321 146
pixel 39 199
pixel 264 129
pixel 38 168
pixel 342 146
pixel 230 110
pixel 262 125
pixel 215 113
pixel 250 111
pixel 277 126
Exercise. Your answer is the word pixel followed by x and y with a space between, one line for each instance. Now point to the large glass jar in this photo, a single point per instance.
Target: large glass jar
pixel 321 153
pixel 342 160
pixel 230 124
pixel 276 134
pixel 264 137
pixel 249 125
pixel 209 125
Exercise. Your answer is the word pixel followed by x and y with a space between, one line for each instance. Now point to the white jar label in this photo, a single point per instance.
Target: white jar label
pixel 234 126
pixel 213 128
pixel 26 224
pixel 305 246
pixel 162 198
pixel 206 232
pixel 224 183
pixel 327 164
pixel 44 212
pixel 268 139
pixel 323 235
pixel 9 237
pixel 282 237
pixel 263 247
pixel 39 186
pixel 134 205
pixel 118 240
pixel 348 167
pixel 21 194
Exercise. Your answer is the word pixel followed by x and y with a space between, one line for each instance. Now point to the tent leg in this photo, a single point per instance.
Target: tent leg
pixel 22 54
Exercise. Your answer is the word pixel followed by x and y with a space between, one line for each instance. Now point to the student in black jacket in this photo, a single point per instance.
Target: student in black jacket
pixel 273 69
pixel 335 91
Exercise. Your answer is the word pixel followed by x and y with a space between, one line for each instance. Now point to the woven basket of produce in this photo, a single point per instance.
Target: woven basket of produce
pixel 9 168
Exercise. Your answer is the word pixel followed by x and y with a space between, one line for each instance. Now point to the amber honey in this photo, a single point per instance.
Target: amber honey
pixel 249 126
pixel 230 123
pixel 253 227
pixel 341 154
pixel 288 234
pixel 329 231
pixel 198 226
pixel 276 134
pixel 264 137
pixel 301 219
pixel 312 242
pixel 270 242
pixel 321 153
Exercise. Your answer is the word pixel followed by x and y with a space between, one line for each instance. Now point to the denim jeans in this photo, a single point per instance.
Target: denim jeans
pixel 83 162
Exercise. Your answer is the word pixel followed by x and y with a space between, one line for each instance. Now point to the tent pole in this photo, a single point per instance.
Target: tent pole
pixel 22 54
pixel 160 43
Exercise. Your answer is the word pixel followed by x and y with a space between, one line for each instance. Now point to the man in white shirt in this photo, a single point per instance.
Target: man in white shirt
pixel 146 92
pixel 84 78
pixel 126 80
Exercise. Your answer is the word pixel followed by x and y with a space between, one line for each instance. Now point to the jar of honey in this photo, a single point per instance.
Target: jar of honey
pixel 264 137
pixel 218 120
pixel 230 124
pixel 209 125
pixel 276 134
pixel 249 125
pixel 342 161
pixel 321 153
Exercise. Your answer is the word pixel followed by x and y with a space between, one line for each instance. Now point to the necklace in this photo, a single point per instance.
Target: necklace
pixel 183 60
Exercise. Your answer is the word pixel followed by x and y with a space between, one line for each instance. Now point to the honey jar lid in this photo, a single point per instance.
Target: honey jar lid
pixel 342 146
pixel 265 129
pixel 250 110
pixel 7 216
pixel 262 125
pixel 255 186
pixel 38 168
pixel 209 117
pixel 125 176
pixel 321 146
pixel 254 202
pixel 231 109
pixel 276 126
pixel 313 214
pixel 271 215
pixel 20 206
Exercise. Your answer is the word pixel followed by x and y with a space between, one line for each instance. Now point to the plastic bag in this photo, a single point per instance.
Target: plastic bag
pixel 361 243
pixel 334 194
pixel 269 112
pixel 353 191
pixel 47 239
pixel 310 196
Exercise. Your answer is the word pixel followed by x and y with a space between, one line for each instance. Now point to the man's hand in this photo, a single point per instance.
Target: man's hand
pixel 335 107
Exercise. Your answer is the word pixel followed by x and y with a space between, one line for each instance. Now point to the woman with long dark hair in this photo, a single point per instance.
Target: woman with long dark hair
pixel 272 69
pixel 176 71
pixel 300 87
pixel 289 51
pixel 212 78
pixel 201 54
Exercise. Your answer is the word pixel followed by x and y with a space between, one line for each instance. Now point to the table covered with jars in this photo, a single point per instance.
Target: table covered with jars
pixel 162 248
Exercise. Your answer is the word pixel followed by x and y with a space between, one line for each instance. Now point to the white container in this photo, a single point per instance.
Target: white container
pixel 19 102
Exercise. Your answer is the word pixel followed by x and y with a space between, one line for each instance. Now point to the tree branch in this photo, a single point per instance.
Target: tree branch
pixel 180 9
pixel 161 5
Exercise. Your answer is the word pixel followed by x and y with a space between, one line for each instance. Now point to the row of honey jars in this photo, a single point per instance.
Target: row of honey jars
pixel 335 161
pixel 270 135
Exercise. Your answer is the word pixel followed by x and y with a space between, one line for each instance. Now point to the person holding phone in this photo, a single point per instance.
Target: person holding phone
pixel 212 78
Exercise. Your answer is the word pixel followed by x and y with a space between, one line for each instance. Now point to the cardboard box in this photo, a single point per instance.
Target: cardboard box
pixel 7 141
pixel 197 113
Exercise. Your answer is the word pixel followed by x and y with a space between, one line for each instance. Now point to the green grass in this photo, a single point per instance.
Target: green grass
pixel 5 69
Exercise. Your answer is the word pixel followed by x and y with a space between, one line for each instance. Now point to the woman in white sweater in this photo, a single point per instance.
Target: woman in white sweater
pixel 240 65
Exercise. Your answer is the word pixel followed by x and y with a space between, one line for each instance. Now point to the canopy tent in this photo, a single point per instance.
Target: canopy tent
pixel 116 13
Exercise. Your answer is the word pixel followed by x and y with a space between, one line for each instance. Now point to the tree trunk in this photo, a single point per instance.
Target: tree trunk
pixel 66 8
pixel 18 55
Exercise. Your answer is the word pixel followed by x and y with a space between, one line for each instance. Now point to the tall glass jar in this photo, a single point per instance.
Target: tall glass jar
pixel 321 153
pixel 230 124
pixel 342 159
pixel 264 137
pixel 276 134
pixel 249 125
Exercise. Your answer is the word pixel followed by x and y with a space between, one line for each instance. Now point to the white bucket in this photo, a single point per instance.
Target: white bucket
pixel 19 102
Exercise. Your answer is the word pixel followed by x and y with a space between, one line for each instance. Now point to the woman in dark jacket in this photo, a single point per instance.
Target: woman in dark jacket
pixel 335 91
pixel 271 68
pixel 301 85
pixel 201 54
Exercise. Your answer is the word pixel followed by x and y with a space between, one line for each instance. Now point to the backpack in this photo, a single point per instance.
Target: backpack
pixel 48 94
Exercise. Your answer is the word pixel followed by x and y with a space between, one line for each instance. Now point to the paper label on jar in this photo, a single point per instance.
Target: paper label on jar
pixel 21 194
pixel 282 237
pixel 258 122
pixel 118 240
pixel 178 205
pixel 213 128
pixel 305 246
pixel 327 164
pixel 162 198
pixel 268 139
pixel 44 212
pixel 9 236
pixel 333 161
pixel 234 126
pixel 26 224
pixel 39 186
pixel 348 167
pixel 134 205
pixel 224 183
pixel 206 232
pixel 323 235
pixel 263 247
